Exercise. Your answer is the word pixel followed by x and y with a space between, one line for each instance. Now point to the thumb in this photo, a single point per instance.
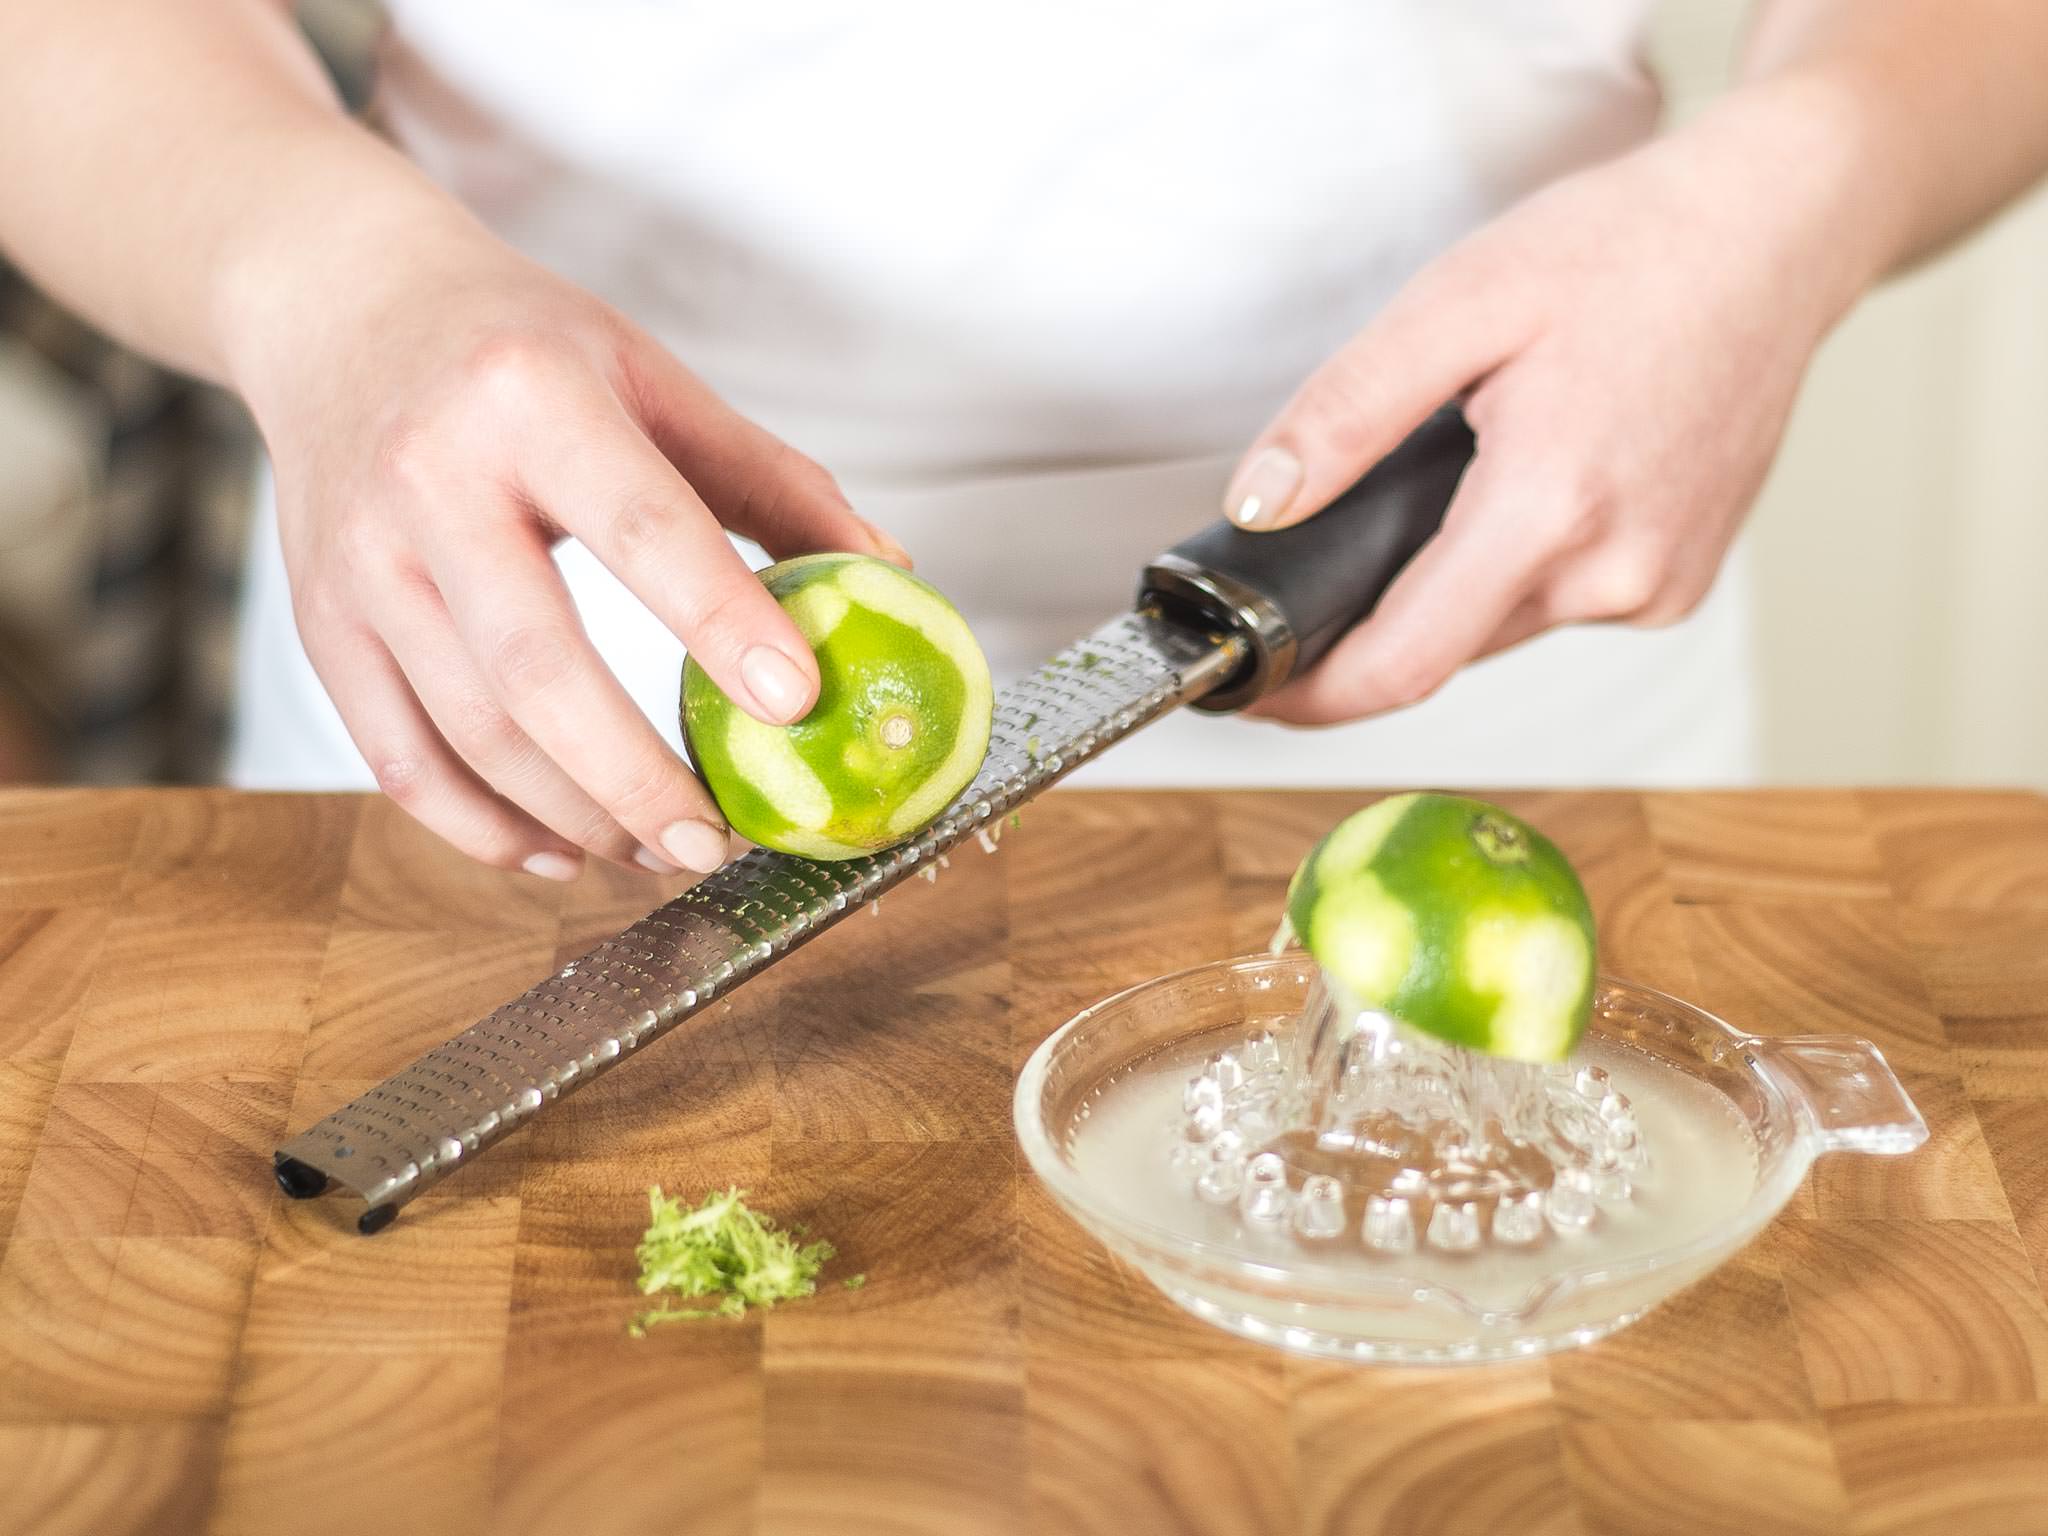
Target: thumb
pixel 1444 331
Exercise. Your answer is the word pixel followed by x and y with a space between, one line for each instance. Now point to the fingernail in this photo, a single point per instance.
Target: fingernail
pixel 695 845
pixel 776 684
pixel 647 858
pixel 1260 495
pixel 887 547
pixel 554 866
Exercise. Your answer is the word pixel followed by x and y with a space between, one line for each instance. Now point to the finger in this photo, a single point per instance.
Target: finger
pixel 422 639
pixel 1607 588
pixel 515 619
pixel 638 516
pixel 1611 582
pixel 607 484
pixel 1531 617
pixel 1452 598
pixel 416 768
pixel 1448 328
pixel 758 485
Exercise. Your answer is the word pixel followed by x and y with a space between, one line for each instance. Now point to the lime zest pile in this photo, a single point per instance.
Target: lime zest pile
pixel 720 1248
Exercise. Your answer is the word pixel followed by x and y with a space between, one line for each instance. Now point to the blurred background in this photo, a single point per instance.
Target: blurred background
pixel 1897 549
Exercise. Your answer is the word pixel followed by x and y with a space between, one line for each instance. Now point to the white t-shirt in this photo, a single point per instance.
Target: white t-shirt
pixel 1026 280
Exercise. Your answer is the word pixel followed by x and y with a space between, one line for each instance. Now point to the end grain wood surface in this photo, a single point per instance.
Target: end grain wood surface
pixel 186 975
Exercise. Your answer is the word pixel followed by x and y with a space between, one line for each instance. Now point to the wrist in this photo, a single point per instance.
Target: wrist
pixel 305 273
pixel 1804 158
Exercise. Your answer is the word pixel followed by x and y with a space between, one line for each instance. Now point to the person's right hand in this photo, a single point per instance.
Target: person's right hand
pixel 432 439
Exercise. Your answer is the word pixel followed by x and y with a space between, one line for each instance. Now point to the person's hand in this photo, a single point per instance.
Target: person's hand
pixel 432 439
pixel 1629 342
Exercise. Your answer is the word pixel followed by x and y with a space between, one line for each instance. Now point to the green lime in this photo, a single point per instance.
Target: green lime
pixel 1455 917
pixel 900 726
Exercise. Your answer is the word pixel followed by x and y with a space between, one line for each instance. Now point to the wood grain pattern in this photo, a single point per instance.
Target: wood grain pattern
pixel 1466 1454
pixel 184 976
pixel 1750 1477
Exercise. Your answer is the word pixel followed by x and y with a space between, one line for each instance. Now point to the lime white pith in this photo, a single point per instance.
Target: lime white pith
pixel 1538 966
pixel 1369 936
pixel 899 729
pixel 766 756
pixel 1456 917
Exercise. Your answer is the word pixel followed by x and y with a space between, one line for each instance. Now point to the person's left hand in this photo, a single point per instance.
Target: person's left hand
pixel 1629 342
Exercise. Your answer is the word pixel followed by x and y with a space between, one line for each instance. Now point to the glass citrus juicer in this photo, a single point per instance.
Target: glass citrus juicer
pixel 1324 1179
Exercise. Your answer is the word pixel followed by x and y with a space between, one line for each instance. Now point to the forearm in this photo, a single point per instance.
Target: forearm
pixel 1939 108
pixel 181 172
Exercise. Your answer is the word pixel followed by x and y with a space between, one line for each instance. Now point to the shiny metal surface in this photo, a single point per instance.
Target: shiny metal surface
pixel 1186 586
pixel 405 1134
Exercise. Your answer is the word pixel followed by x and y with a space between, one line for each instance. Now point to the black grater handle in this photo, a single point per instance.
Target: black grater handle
pixel 1293 593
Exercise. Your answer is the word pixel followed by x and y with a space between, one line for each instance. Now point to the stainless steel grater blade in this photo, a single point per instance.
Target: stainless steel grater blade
pixel 1223 618
pixel 413 1130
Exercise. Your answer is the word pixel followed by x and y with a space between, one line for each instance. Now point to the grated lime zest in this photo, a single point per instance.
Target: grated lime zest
pixel 719 1247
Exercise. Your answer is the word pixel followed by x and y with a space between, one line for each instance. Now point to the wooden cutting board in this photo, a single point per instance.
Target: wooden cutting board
pixel 184 976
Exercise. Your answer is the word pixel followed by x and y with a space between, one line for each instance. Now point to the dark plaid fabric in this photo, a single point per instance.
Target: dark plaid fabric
pixel 128 663
pixel 117 608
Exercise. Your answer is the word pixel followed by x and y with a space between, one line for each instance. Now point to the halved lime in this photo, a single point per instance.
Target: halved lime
pixel 1455 917
pixel 900 726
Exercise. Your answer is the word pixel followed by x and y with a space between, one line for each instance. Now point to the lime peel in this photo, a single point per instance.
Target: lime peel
pixel 719 1247
pixel 899 729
